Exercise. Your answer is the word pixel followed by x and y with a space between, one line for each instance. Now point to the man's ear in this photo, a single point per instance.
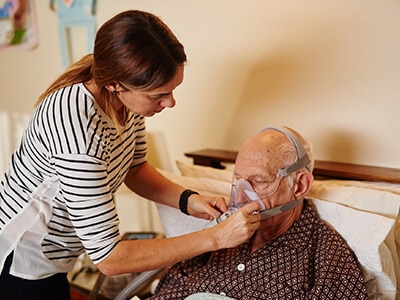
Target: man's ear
pixel 303 184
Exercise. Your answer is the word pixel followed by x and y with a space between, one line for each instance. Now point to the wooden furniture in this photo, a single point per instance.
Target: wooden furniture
pixel 212 157
pixel 82 285
pixel 215 158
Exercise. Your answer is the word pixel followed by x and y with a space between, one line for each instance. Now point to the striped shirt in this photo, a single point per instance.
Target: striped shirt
pixel 72 141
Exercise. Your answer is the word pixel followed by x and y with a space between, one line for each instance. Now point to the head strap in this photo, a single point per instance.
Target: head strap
pixel 302 157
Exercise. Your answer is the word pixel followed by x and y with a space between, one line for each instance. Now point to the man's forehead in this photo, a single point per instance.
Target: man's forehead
pixel 257 161
pixel 261 152
pixel 263 145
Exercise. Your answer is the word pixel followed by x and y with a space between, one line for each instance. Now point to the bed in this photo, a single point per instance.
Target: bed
pixel 361 202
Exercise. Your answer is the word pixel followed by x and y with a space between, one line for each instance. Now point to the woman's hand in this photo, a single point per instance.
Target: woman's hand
pixel 207 208
pixel 238 228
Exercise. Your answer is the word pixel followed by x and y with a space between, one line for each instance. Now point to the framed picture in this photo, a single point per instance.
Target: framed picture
pixel 18 26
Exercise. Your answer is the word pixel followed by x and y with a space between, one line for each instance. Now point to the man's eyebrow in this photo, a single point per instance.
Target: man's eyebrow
pixel 257 176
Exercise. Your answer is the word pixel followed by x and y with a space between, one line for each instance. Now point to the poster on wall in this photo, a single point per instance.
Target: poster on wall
pixel 18 24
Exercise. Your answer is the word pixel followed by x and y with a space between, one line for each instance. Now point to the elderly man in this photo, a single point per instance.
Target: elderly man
pixel 293 254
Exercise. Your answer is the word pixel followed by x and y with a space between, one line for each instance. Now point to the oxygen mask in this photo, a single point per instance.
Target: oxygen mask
pixel 242 193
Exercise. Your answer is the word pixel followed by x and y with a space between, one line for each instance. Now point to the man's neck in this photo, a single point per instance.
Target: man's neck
pixel 273 227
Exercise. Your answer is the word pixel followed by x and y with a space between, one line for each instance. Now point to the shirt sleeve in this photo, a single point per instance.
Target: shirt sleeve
pixel 89 202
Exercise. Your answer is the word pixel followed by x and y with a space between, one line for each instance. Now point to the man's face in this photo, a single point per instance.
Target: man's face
pixel 259 161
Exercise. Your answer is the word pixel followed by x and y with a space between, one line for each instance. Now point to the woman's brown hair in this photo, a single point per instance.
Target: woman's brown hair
pixel 133 47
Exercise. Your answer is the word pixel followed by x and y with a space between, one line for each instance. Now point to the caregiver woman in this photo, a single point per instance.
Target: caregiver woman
pixel 86 137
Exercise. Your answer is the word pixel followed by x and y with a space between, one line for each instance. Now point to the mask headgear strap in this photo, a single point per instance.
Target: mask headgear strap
pixel 302 157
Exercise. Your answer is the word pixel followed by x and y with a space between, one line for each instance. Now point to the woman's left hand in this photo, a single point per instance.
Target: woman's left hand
pixel 207 208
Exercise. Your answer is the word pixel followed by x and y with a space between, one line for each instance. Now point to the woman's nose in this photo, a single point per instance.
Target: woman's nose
pixel 168 101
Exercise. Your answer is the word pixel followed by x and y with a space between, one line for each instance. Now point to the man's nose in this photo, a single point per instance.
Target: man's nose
pixel 241 198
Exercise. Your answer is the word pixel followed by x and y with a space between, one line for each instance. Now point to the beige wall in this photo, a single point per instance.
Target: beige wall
pixel 327 68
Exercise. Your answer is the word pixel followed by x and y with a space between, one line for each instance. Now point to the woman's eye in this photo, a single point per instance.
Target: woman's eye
pixel 155 97
pixel 159 96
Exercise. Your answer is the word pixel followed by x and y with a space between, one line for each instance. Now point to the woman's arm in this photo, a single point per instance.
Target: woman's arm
pixel 147 182
pixel 140 255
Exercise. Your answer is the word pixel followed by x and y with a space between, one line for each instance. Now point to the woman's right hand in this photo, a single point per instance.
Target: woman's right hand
pixel 238 228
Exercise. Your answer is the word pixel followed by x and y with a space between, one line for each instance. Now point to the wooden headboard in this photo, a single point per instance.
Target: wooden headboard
pixel 215 158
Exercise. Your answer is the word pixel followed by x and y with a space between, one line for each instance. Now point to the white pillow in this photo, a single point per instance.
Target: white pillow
pixel 369 199
pixel 173 220
pixel 206 172
pixel 372 200
pixel 382 186
pixel 206 186
pixel 368 245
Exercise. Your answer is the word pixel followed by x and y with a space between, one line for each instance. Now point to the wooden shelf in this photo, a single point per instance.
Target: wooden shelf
pixel 212 157
pixel 356 172
pixel 215 158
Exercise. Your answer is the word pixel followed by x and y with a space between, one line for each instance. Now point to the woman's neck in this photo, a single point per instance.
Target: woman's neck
pixel 120 111
pixel 93 89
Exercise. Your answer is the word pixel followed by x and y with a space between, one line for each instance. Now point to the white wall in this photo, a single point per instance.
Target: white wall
pixel 327 68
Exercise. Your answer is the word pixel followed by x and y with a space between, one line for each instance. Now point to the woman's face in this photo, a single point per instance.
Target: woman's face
pixel 148 103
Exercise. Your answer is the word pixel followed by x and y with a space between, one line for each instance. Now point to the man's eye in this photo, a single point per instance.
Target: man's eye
pixel 264 180
pixel 259 183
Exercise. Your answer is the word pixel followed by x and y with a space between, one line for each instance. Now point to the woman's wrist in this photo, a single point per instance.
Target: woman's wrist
pixel 183 200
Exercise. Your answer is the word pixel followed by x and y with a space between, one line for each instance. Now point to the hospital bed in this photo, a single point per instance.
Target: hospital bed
pixel 361 202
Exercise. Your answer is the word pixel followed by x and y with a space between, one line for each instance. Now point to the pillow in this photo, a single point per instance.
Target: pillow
pixel 373 200
pixel 205 186
pixel 206 172
pixel 368 245
pixel 173 220
pixel 382 186
pixel 175 223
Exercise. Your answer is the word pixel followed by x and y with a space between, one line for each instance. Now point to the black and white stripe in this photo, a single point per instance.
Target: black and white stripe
pixel 70 137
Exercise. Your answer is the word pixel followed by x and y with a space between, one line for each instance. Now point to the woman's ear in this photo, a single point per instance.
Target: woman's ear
pixel 303 184
pixel 112 86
